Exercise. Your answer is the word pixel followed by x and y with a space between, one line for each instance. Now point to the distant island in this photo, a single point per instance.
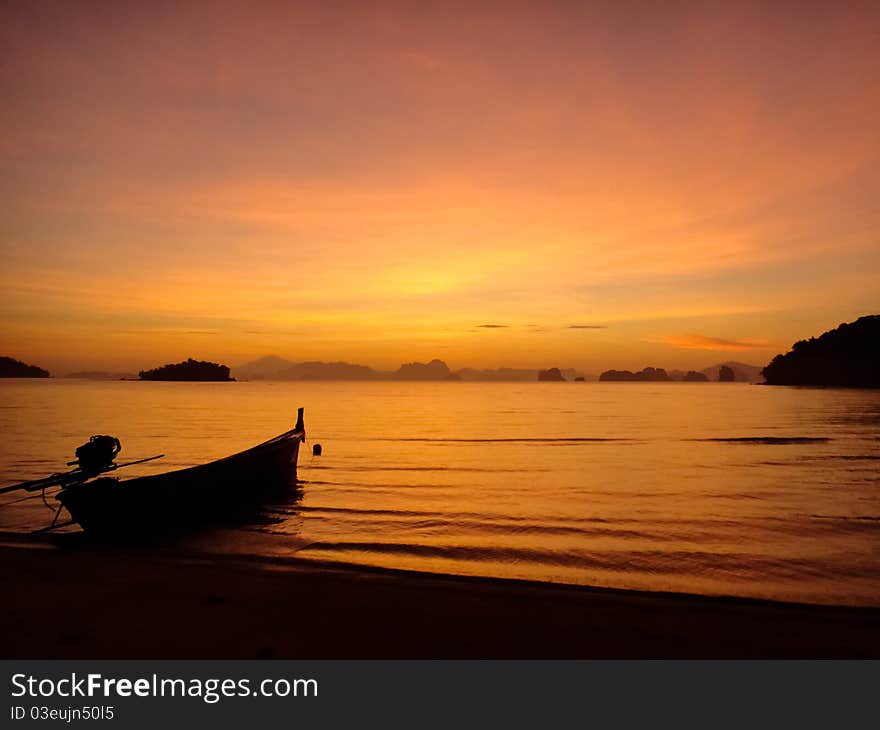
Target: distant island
pixel 848 356
pixel 273 367
pixel 498 375
pixel 649 375
pixel 434 370
pixel 552 375
pixel 188 370
pixel 722 372
pixel 692 376
pixel 742 373
pixel 514 375
pixel 12 368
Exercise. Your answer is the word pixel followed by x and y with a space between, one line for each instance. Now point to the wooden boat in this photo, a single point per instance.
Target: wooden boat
pixel 187 496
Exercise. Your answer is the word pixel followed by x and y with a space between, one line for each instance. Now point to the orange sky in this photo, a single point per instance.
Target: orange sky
pixel 375 182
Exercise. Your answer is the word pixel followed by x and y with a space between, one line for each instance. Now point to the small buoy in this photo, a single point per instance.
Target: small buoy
pixel 316 450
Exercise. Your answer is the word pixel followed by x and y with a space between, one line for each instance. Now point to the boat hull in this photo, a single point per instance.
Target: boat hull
pixel 237 484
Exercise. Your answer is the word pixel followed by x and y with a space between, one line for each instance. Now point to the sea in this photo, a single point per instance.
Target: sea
pixel 710 488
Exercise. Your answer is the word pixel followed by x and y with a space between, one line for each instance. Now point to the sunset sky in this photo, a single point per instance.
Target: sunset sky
pixel 605 184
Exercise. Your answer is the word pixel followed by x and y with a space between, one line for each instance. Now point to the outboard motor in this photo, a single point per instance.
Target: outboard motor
pixel 97 453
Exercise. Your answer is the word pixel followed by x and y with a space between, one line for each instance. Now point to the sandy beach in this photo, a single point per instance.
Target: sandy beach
pixel 76 600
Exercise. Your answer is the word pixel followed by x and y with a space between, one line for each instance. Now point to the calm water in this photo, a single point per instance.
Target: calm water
pixel 709 488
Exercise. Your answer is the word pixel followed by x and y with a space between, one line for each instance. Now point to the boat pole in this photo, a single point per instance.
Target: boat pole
pixel 76 475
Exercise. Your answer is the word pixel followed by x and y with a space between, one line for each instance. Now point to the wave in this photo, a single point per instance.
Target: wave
pixel 439 526
pixel 513 440
pixel 771 440
pixel 373 487
pixel 732 566
pixel 385 467
pixel 614 440
pixel 709 531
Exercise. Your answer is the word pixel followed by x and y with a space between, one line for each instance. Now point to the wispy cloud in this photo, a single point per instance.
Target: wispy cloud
pixel 162 331
pixel 702 342
pixel 587 327
pixel 492 326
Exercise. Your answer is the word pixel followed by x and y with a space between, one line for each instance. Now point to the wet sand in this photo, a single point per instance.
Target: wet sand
pixel 84 601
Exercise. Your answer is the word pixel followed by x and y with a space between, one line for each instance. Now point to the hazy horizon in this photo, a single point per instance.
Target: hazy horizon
pixel 240 365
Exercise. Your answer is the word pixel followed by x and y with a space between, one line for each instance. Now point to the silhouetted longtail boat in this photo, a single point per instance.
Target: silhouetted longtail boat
pixel 187 496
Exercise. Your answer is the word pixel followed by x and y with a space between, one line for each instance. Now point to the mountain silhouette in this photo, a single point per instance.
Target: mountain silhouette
pixel 265 367
pixel 273 367
pixel 434 370
pixel 12 368
pixel 848 356
pixel 316 370
pixel 498 375
pixel 552 375
pixel 692 376
pixel 741 371
pixel 651 375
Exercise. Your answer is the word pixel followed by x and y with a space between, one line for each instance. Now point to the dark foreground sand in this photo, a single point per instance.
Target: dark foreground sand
pixel 81 601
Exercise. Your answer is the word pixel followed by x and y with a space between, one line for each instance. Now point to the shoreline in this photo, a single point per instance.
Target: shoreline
pixel 91 601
